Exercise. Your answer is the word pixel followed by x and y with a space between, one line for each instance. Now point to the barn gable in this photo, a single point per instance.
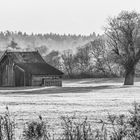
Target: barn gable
pixel 24 57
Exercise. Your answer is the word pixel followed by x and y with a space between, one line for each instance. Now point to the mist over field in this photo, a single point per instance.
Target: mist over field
pixel 43 42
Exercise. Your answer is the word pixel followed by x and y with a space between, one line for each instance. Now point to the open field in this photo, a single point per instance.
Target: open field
pixel 94 98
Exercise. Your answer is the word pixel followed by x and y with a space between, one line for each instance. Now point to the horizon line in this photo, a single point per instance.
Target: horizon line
pixel 37 33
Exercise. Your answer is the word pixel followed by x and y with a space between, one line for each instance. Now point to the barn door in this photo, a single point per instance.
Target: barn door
pixel 19 78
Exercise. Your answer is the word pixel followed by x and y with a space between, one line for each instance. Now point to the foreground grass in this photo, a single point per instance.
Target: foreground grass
pixel 122 127
pixel 93 98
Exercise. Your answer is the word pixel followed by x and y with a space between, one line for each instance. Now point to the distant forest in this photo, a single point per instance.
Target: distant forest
pixel 43 42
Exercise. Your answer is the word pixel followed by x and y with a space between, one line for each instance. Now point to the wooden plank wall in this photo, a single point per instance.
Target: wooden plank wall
pixel 10 73
pixel 53 82
pixel 45 81
pixel 7 73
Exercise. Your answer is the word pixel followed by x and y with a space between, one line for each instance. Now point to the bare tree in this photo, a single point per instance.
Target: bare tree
pixel 68 62
pixel 123 35
pixel 100 57
pixel 82 58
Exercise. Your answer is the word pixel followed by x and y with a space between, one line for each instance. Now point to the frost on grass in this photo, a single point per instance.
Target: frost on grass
pixel 91 97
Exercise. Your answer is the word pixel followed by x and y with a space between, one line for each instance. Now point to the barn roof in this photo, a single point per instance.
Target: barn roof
pixel 26 57
pixel 39 68
pixel 31 62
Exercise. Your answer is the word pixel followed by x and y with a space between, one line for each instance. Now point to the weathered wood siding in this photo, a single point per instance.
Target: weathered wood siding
pixel 11 78
pixel 53 82
pixel 19 77
pixel 7 73
pixel 38 80
pixel 22 78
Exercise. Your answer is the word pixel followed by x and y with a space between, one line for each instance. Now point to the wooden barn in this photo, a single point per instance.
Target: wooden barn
pixel 27 69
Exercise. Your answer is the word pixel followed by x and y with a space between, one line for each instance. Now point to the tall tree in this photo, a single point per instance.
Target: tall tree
pixel 123 34
pixel 82 59
pixel 68 62
pixel 100 57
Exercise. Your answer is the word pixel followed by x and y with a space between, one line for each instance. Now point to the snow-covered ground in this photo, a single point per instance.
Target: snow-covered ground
pixel 94 98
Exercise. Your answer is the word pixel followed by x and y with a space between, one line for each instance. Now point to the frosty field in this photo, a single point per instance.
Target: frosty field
pixel 94 98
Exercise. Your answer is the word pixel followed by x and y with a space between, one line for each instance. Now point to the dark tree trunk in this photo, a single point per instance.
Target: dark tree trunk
pixel 129 76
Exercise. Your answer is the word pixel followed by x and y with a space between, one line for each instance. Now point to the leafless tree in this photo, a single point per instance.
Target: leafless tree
pixel 100 57
pixel 123 34
pixel 82 58
pixel 68 62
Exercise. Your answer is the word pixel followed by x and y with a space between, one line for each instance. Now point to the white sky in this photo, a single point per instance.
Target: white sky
pixel 60 16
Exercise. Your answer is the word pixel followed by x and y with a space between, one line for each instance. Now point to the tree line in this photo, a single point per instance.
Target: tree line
pixel 51 41
pixel 91 60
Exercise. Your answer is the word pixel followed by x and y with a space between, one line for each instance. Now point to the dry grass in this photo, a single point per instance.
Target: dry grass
pixel 7 126
pixel 115 127
pixel 93 98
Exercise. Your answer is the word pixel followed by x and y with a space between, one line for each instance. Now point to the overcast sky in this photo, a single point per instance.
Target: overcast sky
pixel 60 16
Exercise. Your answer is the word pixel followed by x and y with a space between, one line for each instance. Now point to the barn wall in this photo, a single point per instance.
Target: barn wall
pixel 6 72
pixel 28 79
pixel 4 76
pixel 7 76
pixel 41 80
pixel 36 80
pixel 10 72
pixel 19 77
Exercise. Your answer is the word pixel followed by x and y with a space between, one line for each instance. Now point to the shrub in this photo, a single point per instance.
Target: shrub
pixel 134 122
pixel 7 127
pixel 118 127
pixel 113 128
pixel 73 129
pixel 36 130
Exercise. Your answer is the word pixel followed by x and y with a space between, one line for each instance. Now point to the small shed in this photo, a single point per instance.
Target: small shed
pixel 27 69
